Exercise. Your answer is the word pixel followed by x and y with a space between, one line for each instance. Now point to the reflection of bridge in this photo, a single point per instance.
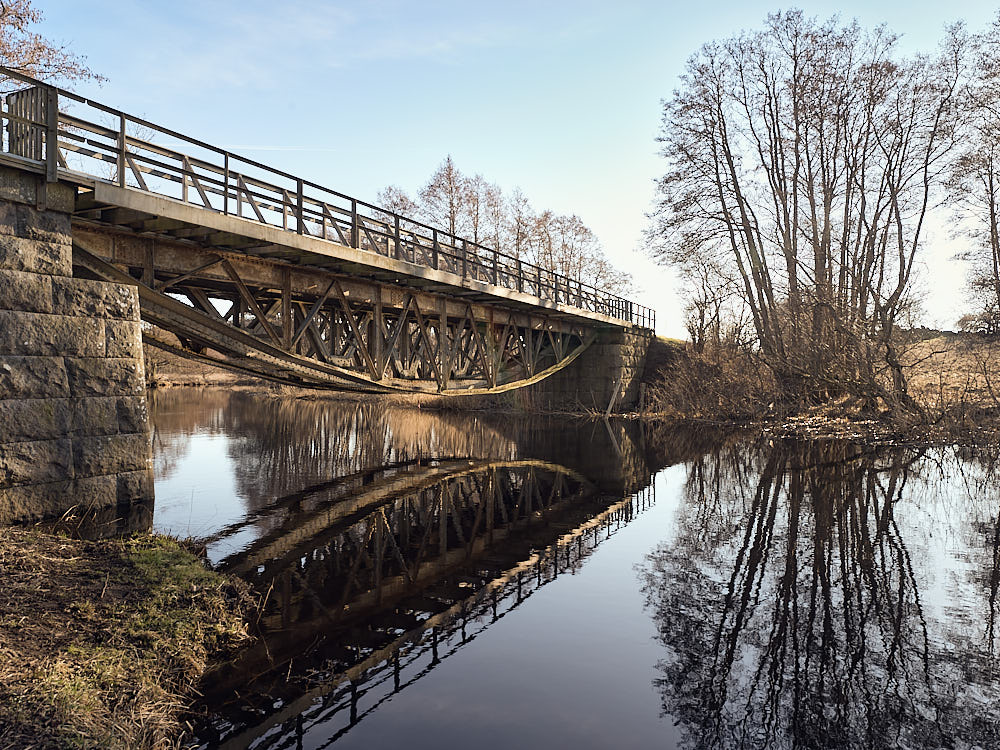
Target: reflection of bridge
pixel 419 562
pixel 267 273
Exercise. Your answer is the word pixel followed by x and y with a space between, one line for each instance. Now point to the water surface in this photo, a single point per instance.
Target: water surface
pixel 449 580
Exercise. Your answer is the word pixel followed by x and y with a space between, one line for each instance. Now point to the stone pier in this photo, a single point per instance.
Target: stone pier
pixel 73 422
pixel 614 361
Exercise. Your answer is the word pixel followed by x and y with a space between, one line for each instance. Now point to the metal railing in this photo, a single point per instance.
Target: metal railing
pixel 137 154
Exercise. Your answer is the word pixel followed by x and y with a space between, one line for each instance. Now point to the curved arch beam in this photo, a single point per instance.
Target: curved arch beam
pixel 440 355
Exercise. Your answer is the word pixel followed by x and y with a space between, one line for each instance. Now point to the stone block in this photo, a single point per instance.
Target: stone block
pixel 94 299
pixel 110 454
pixel 18 186
pixel 48 226
pixel 95 492
pixel 134 486
pixel 30 292
pixel 39 334
pixel 22 220
pixel 98 376
pixel 34 502
pixel 35 462
pixel 32 377
pixel 33 419
pixel 133 416
pixel 123 338
pixel 92 416
pixel 35 256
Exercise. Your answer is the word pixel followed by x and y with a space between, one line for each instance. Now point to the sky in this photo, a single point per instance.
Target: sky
pixel 561 99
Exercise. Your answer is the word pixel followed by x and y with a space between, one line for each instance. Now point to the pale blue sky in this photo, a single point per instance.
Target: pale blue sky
pixel 559 98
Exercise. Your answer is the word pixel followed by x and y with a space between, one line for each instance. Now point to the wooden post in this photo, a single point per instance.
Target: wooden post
pixel 378 340
pixel 444 344
pixel 52 135
pixel 225 185
pixel 395 235
pixel 614 395
pixel 434 253
pixel 149 263
pixel 300 208
pixel 121 151
pixel 286 308
pixel 355 238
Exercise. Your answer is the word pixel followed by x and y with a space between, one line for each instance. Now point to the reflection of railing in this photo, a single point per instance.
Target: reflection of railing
pixel 336 706
pixel 217 180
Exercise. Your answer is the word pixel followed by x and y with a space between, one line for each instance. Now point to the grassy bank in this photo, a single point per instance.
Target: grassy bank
pixel 103 642
pixel 954 380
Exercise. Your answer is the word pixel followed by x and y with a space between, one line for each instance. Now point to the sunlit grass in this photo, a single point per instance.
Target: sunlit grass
pixel 102 643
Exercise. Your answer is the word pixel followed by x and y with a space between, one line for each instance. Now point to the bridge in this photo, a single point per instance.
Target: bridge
pixel 116 231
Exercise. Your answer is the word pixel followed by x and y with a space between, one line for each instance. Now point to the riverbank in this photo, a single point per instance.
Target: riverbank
pixel 103 642
pixel 954 377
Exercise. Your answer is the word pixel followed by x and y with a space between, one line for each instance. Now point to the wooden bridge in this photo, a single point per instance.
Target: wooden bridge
pixel 259 271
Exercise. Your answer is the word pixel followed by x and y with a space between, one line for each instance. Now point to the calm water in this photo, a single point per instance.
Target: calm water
pixel 447 580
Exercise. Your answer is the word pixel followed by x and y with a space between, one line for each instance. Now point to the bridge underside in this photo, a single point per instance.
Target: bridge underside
pixel 309 326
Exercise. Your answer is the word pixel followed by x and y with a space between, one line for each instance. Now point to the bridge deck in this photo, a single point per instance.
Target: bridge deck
pixel 254 269
pixel 102 204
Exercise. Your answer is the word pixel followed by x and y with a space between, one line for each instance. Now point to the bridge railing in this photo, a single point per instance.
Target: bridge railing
pixel 108 144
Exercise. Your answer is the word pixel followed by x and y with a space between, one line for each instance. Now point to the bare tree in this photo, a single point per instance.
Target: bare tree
pixel 805 157
pixel 28 52
pixel 475 209
pixel 975 183
pixel 442 198
pixel 474 206
pixel 495 210
pixel 520 224
pixel 396 200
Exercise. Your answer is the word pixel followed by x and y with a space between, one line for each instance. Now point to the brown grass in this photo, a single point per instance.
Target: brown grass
pixel 726 385
pixel 102 643
pixel 954 378
pixel 954 371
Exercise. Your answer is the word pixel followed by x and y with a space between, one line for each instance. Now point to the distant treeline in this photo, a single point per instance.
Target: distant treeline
pixel 475 209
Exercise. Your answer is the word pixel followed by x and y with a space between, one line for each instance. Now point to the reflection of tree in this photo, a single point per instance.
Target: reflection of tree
pixel 791 610
pixel 980 471
pixel 279 445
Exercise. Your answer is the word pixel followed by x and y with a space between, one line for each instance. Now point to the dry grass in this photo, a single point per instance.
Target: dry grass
pixel 102 643
pixel 726 385
pixel 952 371
pixel 954 378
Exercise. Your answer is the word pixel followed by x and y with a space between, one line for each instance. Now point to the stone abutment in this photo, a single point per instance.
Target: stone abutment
pixel 73 420
pixel 607 374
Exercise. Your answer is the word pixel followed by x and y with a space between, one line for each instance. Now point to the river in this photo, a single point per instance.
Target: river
pixel 446 579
